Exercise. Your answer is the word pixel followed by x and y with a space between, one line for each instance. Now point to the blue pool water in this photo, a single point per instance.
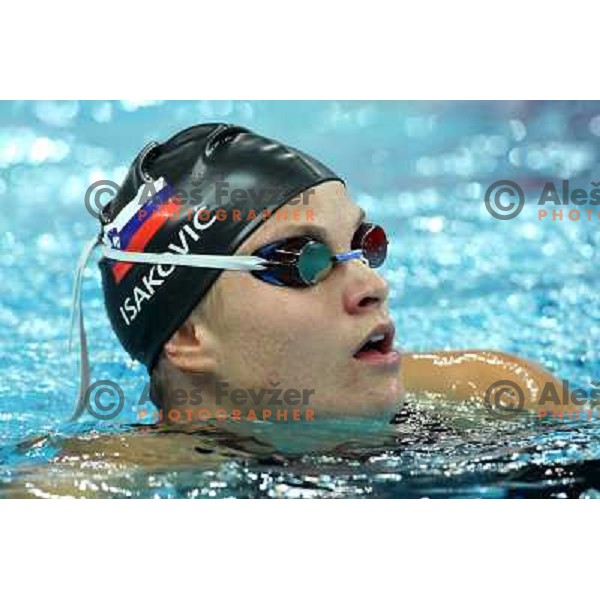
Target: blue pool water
pixel 459 279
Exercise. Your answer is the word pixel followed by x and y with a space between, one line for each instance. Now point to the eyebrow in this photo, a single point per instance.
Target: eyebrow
pixel 313 229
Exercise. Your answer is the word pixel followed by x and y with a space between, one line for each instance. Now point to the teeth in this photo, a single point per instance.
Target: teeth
pixel 376 338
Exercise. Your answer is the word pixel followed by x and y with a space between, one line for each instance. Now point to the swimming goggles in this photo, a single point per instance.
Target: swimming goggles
pixel 304 261
pixel 293 262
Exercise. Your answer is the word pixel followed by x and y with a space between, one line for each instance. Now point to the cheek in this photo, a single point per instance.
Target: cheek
pixel 254 307
pixel 255 317
pixel 271 329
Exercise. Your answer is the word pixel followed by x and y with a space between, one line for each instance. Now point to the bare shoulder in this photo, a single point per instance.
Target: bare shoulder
pixel 462 374
pixel 101 465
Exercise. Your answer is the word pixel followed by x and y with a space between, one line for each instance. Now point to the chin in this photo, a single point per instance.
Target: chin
pixel 382 404
pixel 386 401
pixel 380 401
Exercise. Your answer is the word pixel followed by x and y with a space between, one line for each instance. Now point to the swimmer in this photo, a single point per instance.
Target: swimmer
pixel 257 303
pixel 296 304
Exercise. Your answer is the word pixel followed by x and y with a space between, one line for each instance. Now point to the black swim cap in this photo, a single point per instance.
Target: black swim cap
pixel 202 166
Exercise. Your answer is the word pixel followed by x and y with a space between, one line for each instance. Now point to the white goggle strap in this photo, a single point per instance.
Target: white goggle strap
pixel 206 261
pixel 77 313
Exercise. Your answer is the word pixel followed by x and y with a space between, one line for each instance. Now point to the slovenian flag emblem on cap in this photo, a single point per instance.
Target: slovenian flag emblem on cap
pixel 135 226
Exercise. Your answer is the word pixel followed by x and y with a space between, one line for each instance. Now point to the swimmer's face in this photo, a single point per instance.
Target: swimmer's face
pixel 267 336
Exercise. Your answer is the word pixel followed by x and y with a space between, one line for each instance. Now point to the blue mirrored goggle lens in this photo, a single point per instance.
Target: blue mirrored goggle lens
pixel 315 262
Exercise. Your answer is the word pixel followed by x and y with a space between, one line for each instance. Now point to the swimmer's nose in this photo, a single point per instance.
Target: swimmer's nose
pixel 364 291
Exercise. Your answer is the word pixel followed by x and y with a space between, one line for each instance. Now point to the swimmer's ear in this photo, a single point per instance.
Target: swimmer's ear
pixel 188 351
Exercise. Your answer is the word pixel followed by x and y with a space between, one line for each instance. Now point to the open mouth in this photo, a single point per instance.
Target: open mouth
pixel 379 343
